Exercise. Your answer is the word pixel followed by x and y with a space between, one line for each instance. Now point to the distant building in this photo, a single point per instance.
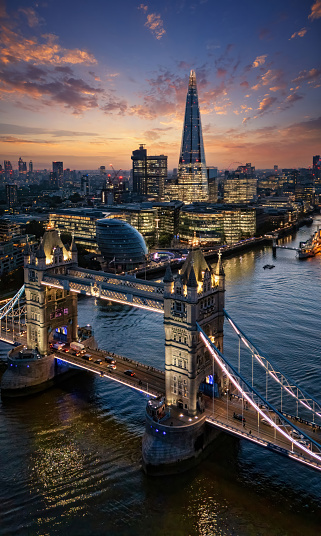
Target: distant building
pixel 240 186
pixel 149 174
pixel 216 224
pixel 53 180
pixel 22 167
pixel 79 222
pixel 8 169
pixel 85 185
pixel 11 195
pixel 192 174
pixel 30 167
pixel 212 184
pixel 58 168
pixel 8 229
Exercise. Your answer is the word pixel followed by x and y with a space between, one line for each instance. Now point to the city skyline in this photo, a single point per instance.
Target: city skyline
pixel 88 93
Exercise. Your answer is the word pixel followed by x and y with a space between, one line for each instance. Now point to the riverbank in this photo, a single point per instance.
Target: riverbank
pixel 226 251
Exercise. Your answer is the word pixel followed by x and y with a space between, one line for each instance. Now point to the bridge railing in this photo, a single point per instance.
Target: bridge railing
pixel 125 281
pixel 6 309
pixel 284 427
pixel 308 401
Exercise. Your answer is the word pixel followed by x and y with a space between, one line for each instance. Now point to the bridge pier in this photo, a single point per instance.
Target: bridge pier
pixel 173 449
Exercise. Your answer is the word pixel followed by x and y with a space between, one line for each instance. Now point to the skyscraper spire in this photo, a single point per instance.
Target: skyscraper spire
pixel 192 174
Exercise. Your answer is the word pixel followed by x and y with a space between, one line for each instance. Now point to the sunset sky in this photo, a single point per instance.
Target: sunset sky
pixel 87 82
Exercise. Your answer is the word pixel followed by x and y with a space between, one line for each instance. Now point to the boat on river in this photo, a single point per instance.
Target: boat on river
pixel 311 247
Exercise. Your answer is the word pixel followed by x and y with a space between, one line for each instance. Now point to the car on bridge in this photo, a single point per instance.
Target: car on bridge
pixel 296 434
pixel 238 417
pixel 266 422
pixel 111 366
pixel 98 361
pixel 129 373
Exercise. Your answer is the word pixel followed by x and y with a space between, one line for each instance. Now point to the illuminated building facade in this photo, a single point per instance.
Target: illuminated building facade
pixel 240 186
pixel 121 245
pixel 11 195
pixel 149 174
pixel 80 223
pixel 216 224
pixel 192 173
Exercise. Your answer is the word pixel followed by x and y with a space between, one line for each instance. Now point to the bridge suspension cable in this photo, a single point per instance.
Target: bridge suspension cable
pixel 286 383
pixel 6 309
pixel 250 393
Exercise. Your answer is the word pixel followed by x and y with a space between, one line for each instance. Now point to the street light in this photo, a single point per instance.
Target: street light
pixel 227 403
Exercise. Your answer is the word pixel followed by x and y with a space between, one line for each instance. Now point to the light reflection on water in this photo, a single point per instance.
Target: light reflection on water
pixel 70 457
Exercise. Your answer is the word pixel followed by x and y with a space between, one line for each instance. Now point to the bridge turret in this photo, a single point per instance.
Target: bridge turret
pixel 40 257
pixel 168 279
pixel 50 308
pixel 74 250
pixel 195 296
pixel 219 277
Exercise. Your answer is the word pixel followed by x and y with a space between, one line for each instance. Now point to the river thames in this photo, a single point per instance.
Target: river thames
pixel 70 458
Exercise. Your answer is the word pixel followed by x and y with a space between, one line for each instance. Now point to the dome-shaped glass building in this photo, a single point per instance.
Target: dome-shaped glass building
pixel 121 245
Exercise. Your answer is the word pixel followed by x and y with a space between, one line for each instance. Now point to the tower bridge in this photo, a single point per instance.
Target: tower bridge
pixel 181 421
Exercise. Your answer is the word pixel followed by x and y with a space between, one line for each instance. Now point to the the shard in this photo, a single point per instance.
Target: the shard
pixel 192 173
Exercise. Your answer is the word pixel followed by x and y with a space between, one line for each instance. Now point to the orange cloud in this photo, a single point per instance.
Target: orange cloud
pixel 315 10
pixel 266 103
pixel 155 25
pixel 12 139
pixel 15 48
pixel 300 33
pixel 259 60
pixel 308 76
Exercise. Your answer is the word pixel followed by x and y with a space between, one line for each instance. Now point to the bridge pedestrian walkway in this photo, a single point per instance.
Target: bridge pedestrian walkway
pixel 254 430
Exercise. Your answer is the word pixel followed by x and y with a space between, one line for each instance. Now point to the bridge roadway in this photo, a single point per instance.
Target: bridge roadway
pixel 151 381
pixel 257 432
pixel 147 379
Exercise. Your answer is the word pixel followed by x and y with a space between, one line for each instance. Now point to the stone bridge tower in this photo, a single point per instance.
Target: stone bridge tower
pixel 49 307
pixel 195 295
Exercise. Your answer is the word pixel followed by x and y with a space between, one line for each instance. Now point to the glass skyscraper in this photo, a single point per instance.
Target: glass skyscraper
pixel 192 173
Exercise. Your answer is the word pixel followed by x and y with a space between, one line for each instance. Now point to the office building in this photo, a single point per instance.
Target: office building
pixel 58 168
pixel 79 222
pixel 8 169
pixel 11 195
pixel 149 174
pixel 212 184
pixel 192 173
pixel 216 224
pixel 240 186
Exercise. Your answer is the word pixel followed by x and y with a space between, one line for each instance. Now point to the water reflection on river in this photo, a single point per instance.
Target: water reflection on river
pixel 70 457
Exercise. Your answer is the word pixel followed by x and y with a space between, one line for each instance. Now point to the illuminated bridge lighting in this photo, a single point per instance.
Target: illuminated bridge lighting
pixel 98 372
pixel 301 397
pixel 219 359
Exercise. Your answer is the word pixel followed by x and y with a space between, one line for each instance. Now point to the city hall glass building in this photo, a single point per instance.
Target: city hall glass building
pixel 122 246
pixel 192 172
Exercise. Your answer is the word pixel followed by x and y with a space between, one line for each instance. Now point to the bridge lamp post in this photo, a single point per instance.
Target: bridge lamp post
pixel 213 385
pixel 227 390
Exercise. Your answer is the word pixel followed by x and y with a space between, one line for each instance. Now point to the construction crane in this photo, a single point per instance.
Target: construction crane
pixel 116 173
pixel 231 164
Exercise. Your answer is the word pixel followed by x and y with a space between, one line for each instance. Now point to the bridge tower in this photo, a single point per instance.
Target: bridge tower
pixel 195 295
pixel 48 307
